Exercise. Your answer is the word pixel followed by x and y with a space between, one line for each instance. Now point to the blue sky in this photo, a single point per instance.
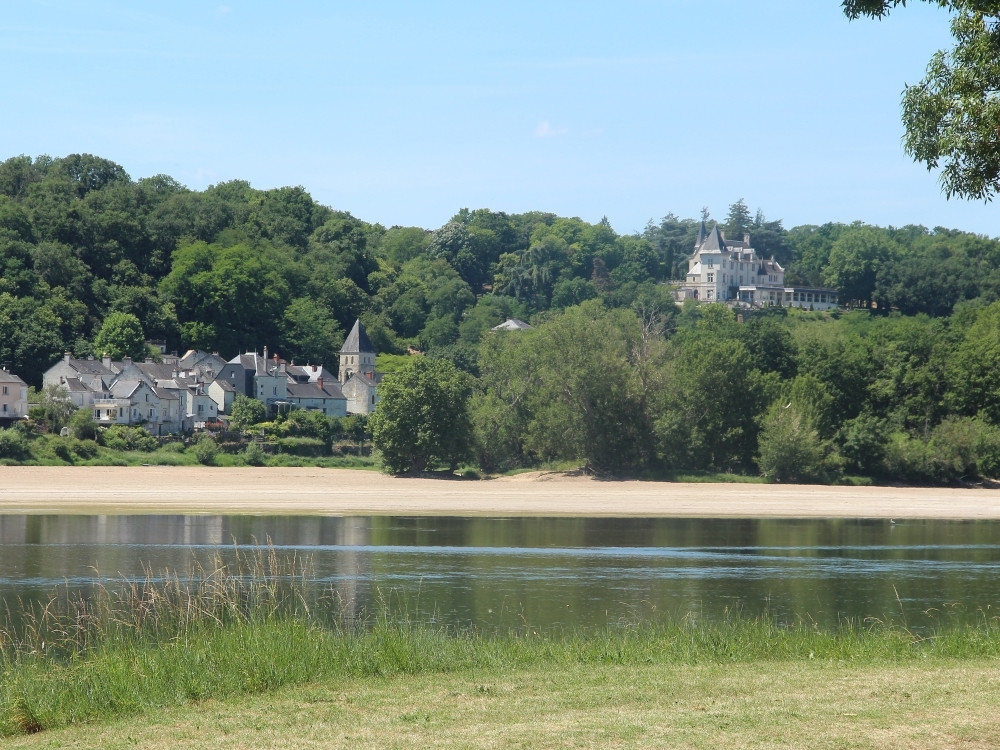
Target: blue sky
pixel 403 113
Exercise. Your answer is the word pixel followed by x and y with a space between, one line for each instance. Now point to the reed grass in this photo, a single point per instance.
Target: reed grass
pixel 223 630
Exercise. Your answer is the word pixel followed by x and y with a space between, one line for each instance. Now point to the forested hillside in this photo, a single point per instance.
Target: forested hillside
pixel 614 373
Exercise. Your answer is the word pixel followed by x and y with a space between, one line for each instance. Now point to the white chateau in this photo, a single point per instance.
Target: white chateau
pixel 730 271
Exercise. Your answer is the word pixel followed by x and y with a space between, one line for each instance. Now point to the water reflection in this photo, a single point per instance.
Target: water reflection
pixel 575 572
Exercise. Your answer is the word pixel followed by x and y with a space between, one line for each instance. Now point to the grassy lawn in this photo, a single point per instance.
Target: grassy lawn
pixel 943 703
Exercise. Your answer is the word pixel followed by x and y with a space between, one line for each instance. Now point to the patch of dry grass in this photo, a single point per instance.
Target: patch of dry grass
pixel 941 704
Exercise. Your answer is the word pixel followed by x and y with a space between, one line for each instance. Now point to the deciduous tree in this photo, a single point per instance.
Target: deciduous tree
pixel 422 419
pixel 952 116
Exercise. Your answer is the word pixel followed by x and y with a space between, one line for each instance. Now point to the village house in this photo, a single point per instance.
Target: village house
pixel 279 384
pixel 730 271
pixel 13 398
pixel 186 393
pixel 84 379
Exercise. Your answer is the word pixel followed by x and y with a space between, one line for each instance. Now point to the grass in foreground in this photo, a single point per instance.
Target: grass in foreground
pixel 172 649
pixel 801 704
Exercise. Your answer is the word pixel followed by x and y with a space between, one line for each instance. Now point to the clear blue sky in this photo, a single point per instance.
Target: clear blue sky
pixel 403 113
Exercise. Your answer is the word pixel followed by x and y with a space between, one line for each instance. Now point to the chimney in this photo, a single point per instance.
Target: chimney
pixel 265 354
pixel 314 368
pixel 319 382
pixel 66 357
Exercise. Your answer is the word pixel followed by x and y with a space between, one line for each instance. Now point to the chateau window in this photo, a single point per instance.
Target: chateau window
pixel 709 294
pixel 711 278
pixel 5 390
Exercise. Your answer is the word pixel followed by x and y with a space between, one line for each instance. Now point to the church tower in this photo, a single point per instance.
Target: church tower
pixel 357 355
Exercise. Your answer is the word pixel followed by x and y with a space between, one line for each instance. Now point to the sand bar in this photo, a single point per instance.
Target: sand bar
pixel 344 492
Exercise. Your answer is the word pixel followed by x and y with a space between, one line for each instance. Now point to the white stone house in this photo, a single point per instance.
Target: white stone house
pixel 721 270
pixel 84 379
pixel 314 388
pixel 320 396
pixel 13 397
pixel 128 402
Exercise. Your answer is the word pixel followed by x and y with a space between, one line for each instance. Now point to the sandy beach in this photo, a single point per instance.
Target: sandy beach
pixel 343 492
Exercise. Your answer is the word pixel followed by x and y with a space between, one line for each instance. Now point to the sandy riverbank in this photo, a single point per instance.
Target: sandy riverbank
pixel 154 489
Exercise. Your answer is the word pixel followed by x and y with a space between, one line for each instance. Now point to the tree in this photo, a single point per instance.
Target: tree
pixel 422 420
pixel 246 412
pixel 952 116
pixel 738 221
pixel 789 445
pixel 121 336
pixel 56 408
pixel 310 333
pixel 707 411
pixel 855 261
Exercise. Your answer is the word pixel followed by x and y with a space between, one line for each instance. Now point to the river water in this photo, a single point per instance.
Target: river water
pixel 574 573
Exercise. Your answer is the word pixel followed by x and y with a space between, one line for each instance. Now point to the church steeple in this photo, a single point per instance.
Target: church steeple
pixel 357 355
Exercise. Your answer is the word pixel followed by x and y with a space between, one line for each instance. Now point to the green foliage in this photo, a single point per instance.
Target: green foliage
pixel 82 425
pixel 422 419
pixel 615 374
pixel 708 407
pixel 121 336
pixel 121 437
pixel 13 445
pixel 205 449
pixel 303 446
pixel 951 117
pixel 246 412
pixel 253 454
pixel 790 449
pixel 55 408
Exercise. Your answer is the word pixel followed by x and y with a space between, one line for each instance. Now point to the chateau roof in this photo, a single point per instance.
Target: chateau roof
pixel 714 242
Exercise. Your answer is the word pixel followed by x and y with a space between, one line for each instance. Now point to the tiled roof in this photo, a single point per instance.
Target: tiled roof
pixel 8 377
pixel 312 390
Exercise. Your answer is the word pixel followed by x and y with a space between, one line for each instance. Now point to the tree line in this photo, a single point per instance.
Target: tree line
pixel 788 394
pixel 92 261
pixel 234 268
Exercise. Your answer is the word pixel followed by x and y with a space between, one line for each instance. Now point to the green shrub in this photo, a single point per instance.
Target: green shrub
pixel 303 446
pixel 121 437
pixel 14 445
pixel 254 454
pixel 205 449
pixel 82 425
pixel 85 449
